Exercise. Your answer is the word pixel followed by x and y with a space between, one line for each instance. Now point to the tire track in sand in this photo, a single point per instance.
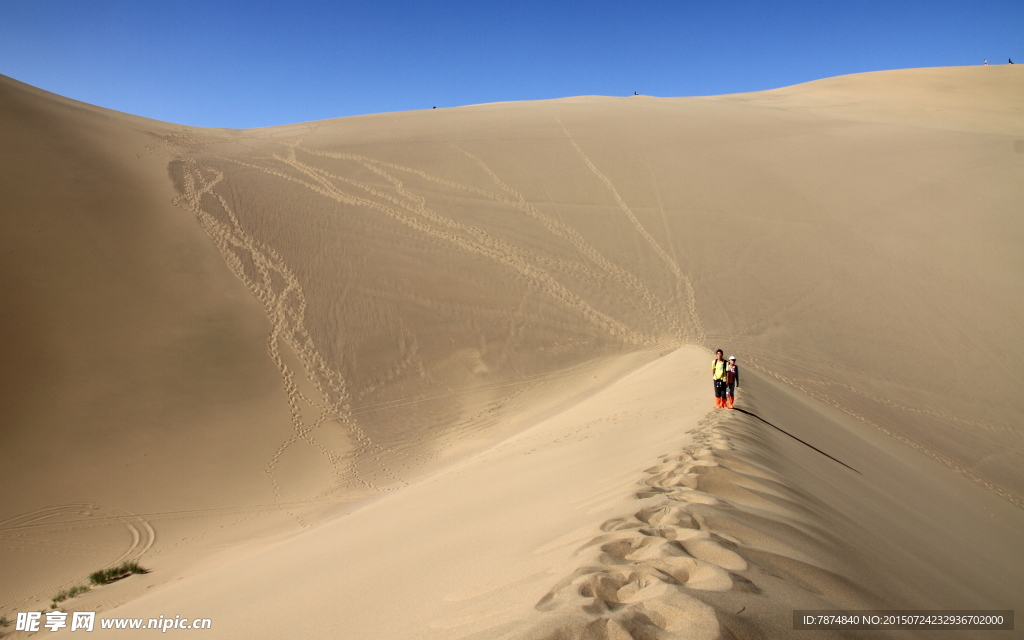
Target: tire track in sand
pixel 412 211
pixel 691 296
pixel 557 228
pixel 30 531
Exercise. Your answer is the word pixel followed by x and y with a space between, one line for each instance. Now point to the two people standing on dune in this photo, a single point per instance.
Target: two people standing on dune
pixel 726 377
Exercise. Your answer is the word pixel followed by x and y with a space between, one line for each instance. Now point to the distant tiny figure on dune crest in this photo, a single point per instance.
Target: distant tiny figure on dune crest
pixel 726 377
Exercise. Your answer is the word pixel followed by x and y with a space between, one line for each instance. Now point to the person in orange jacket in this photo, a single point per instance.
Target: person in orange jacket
pixel 718 376
pixel 732 380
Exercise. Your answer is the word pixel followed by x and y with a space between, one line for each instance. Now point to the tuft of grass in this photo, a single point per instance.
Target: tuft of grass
pixel 125 569
pixel 66 594
pixel 4 622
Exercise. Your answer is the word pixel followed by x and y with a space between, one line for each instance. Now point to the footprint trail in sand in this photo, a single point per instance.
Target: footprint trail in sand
pixel 276 286
pixel 693 557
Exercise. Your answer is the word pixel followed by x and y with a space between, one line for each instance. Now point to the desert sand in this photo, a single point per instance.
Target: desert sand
pixel 445 373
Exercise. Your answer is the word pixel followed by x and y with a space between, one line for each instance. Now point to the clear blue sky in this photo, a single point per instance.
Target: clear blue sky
pixel 245 64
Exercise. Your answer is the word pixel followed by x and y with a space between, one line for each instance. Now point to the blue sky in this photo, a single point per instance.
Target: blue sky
pixel 245 64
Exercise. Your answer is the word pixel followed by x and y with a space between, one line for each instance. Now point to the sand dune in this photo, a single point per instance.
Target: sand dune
pixel 277 364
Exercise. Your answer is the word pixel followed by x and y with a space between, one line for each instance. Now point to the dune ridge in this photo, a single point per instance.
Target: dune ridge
pixel 677 565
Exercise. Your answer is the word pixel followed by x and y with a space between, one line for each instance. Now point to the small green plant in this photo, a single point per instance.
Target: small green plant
pixel 4 622
pixel 66 594
pixel 125 569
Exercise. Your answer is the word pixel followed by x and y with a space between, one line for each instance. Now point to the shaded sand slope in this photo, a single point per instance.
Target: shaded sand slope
pixel 912 531
pixel 133 360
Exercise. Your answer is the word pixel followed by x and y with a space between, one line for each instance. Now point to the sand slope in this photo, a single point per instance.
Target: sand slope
pixel 617 516
pixel 217 339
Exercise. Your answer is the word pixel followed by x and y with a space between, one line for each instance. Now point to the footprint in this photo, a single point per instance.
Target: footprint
pixel 680 612
pixel 710 551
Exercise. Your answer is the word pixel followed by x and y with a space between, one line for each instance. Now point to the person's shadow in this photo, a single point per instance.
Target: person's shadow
pixel 803 442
